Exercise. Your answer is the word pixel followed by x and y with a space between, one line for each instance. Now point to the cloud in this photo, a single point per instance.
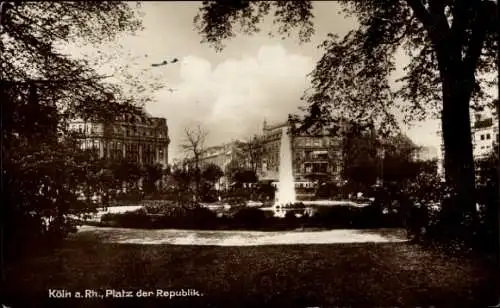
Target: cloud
pixel 232 99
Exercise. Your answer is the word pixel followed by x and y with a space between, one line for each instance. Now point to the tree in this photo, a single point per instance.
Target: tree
pixel 153 173
pixel 232 168
pixel 193 146
pixel 181 177
pixel 127 171
pixel 399 165
pixel 237 172
pixel 252 151
pixel 40 89
pixel 212 173
pixel 452 49
pixel 359 152
pixel 244 176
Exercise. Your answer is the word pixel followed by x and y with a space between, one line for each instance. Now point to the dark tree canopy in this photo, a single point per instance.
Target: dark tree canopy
pixel 452 49
pixel 353 74
pixel 43 167
pixel 31 36
pixel 212 173
pixel 216 19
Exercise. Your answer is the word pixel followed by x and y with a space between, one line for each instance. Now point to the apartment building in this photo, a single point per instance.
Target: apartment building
pixel 485 136
pixel 143 139
pixel 314 156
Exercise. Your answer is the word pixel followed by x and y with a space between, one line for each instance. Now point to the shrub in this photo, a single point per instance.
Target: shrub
pixel 291 220
pixel 339 216
pixel 201 218
pixel 209 197
pixel 186 217
pixel 370 216
pixel 133 195
pixel 159 206
pixel 250 218
pixel 135 219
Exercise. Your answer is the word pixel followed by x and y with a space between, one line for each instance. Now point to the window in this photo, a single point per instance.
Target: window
pixel 323 156
pixel 488 136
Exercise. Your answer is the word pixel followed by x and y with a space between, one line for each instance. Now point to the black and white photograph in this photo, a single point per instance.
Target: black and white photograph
pixel 307 154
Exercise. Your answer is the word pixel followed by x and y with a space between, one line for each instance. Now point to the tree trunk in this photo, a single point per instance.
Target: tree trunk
pixel 459 161
pixel 197 178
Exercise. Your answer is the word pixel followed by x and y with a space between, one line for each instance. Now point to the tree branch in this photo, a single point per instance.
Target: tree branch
pixel 477 40
pixel 437 10
pixel 434 21
pixel 459 23
pixel 45 81
pixel 421 12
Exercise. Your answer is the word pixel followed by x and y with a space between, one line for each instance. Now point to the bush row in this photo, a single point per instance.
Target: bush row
pixel 452 230
pixel 254 219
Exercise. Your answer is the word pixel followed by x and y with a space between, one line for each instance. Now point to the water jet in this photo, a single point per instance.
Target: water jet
pixel 285 194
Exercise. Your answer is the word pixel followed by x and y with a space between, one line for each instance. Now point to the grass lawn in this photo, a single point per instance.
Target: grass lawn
pixel 345 275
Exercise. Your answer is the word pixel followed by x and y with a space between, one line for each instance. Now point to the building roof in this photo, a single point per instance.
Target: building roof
pixel 140 116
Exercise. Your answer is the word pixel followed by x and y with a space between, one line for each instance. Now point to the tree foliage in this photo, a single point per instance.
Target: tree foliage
pixel 216 19
pixel 40 89
pixel 451 45
pixel 180 182
pixel 32 33
pixel 244 176
pixel 152 174
pixel 194 145
pixel 212 173
pixel 368 156
pixel 353 74
pixel 399 163
pixel 252 152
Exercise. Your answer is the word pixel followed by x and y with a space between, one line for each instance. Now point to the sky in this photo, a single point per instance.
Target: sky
pixel 230 93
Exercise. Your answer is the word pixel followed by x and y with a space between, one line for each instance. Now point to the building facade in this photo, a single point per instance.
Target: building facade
pixel 314 156
pixel 142 139
pixel 220 155
pixel 485 136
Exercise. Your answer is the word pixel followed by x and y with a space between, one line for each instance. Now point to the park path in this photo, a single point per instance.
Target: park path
pixel 239 238
pixel 356 271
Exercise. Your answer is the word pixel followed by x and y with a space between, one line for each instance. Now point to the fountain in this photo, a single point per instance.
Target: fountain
pixel 285 194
